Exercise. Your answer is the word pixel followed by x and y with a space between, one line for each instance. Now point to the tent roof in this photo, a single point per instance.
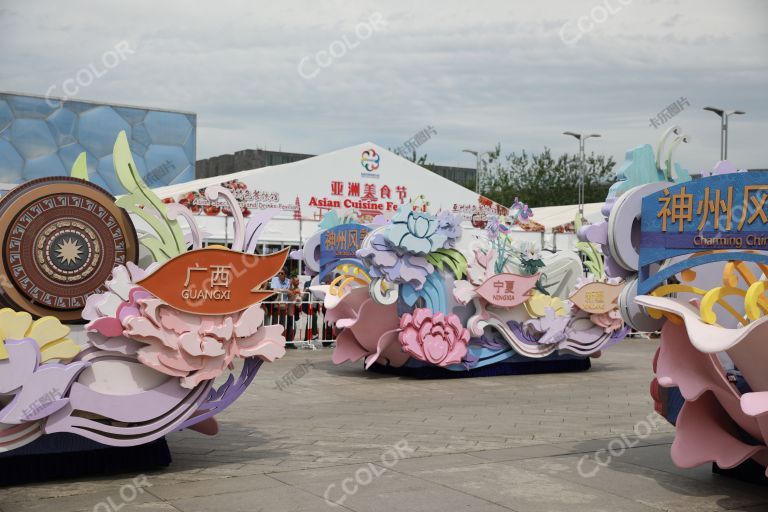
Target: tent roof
pixel 553 216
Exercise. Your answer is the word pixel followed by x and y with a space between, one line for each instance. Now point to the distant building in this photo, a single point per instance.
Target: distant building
pixel 464 176
pixel 258 158
pixel 243 161
pixel 42 136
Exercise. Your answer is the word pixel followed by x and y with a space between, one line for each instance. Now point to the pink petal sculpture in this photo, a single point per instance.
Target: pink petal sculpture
pixel 434 338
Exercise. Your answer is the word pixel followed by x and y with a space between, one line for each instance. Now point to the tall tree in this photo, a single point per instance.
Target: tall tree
pixel 542 180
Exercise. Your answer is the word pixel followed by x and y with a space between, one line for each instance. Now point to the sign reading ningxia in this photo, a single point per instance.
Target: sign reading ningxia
pixel 214 281
pixel 507 290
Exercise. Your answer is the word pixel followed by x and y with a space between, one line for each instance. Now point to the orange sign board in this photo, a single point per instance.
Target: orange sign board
pixel 597 297
pixel 214 281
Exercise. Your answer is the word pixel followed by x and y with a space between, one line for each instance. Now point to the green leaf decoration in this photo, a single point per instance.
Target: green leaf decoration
pixel 79 168
pixel 140 200
pixel 450 258
pixel 595 262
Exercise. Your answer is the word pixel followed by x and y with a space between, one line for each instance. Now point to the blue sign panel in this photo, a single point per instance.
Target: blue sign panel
pixel 341 242
pixel 709 218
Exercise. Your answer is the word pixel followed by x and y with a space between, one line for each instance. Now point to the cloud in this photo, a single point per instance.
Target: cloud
pixel 480 72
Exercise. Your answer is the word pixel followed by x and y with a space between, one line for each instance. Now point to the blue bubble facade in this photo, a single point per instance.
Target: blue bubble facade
pixel 42 137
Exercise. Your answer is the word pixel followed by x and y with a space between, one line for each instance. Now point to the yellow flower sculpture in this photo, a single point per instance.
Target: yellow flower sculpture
pixel 48 332
pixel 537 304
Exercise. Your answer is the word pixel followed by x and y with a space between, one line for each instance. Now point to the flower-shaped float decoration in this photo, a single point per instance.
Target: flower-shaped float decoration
pixel 709 293
pixel 420 291
pixel 157 338
pixel 700 280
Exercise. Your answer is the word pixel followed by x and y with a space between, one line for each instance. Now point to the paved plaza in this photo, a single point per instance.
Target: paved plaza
pixel 371 442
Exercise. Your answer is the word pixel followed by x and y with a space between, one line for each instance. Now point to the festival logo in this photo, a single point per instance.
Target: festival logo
pixel 370 160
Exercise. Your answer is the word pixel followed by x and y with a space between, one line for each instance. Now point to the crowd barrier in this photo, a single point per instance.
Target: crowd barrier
pixel 303 322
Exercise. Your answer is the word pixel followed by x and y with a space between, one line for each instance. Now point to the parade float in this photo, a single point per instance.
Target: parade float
pixel 419 294
pixel 694 255
pixel 158 349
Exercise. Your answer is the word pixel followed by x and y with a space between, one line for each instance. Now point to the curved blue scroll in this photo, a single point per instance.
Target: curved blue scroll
pixel 433 293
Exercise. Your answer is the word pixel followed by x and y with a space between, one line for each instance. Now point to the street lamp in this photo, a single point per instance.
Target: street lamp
pixel 479 156
pixel 724 115
pixel 581 138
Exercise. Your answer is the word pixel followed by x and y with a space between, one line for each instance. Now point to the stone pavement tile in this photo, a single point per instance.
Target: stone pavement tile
pixel 521 452
pixel 170 492
pixel 105 500
pixel 330 480
pixel 648 486
pixel 414 464
pixel 273 499
pixel 438 499
pixel 658 457
pixel 527 491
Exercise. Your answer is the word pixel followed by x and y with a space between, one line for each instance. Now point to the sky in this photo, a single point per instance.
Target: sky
pixel 315 76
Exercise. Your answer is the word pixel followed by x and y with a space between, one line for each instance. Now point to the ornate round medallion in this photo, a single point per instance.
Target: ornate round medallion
pixel 61 238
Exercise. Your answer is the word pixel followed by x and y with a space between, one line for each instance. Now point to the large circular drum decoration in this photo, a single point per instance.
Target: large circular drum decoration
pixel 61 237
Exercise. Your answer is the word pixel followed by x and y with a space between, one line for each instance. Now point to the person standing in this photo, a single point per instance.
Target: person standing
pixel 282 286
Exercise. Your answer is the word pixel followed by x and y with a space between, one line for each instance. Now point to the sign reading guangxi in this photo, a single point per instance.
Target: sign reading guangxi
pixel 214 281
pixel 507 290
pixel 709 218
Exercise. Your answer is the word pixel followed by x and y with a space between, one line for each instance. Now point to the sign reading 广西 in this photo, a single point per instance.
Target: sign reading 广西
pixel 214 281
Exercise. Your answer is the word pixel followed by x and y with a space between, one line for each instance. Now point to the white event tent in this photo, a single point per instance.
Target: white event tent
pixel 361 182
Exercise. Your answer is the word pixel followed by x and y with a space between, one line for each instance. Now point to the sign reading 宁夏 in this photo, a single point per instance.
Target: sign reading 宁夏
pixel 507 290
pixel 597 297
pixel 214 281
pixel 341 241
pixel 707 218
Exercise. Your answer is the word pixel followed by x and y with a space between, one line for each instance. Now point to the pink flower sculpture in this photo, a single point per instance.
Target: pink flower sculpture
pixel 715 417
pixel 434 338
pixel 610 321
pixel 369 330
pixel 195 348
pixel 198 348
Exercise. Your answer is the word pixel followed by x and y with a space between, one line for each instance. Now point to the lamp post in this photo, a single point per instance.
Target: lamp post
pixel 724 115
pixel 581 138
pixel 479 156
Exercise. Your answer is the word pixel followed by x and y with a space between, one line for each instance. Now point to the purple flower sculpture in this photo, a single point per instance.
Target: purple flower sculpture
pixel 386 260
pixel 449 225
pixel 492 227
pixel 416 232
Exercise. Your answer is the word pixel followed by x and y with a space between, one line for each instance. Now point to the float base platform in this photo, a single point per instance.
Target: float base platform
pixel 504 368
pixel 749 471
pixel 67 456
